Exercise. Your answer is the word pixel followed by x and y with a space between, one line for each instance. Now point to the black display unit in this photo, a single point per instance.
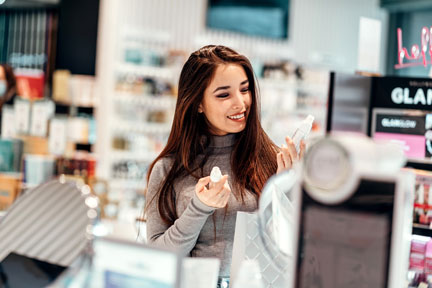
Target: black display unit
pixel 326 229
pixel 395 108
pixel 348 106
pixel 21 271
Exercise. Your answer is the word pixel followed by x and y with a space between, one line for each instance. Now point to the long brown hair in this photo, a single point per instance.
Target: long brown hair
pixel 253 159
pixel 10 81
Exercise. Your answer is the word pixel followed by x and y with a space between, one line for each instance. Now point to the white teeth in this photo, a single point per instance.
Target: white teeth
pixel 237 116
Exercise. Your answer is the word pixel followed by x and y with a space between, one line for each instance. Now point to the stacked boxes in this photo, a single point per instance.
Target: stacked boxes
pixel 418 251
pixel 9 189
pixel 11 151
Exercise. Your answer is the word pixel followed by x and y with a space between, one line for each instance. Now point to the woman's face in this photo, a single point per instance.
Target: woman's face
pixel 227 100
pixel 3 83
pixel 2 73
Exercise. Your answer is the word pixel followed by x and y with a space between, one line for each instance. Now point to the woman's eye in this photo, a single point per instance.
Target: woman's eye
pixel 222 95
pixel 244 90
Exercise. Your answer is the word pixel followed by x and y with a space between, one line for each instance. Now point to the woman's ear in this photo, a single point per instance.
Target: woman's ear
pixel 200 110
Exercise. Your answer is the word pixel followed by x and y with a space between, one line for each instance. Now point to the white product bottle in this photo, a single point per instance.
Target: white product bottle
pixel 215 175
pixel 302 131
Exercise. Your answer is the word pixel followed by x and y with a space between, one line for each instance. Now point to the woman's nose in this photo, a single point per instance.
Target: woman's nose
pixel 238 100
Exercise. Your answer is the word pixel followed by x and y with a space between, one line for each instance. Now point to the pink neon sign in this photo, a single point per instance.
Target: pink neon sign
pixel 416 53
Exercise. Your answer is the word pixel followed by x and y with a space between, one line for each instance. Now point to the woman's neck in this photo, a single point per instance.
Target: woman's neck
pixel 227 140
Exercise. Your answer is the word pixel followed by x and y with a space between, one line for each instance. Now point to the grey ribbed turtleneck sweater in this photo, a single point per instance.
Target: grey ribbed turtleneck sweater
pixel 193 232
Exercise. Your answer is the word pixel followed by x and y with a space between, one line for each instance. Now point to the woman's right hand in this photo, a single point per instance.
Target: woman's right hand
pixel 216 195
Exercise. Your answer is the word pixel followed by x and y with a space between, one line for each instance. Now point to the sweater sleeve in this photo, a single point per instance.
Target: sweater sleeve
pixel 183 233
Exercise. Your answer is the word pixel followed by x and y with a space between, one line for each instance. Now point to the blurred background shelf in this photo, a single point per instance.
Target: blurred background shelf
pixel 143 127
pixel 151 71
pixel 423 230
pixel 162 101
pixel 132 155
pixel 132 184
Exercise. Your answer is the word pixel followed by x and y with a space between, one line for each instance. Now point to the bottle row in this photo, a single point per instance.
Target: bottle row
pixel 420 261
pixel 32 170
pixel 37 118
pixel 139 143
pixel 132 82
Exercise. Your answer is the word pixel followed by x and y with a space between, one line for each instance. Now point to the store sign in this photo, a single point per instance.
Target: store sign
pixel 402 93
pixel 402 96
pixel 419 55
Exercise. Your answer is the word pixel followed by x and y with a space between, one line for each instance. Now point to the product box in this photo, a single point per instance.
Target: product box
pixel 38 169
pixel 42 111
pixel 8 122
pixel 58 132
pixel 10 155
pixel 35 145
pixel 22 109
pixel 30 83
pixel 6 156
pixel 428 257
pixel 9 189
pixel 419 244
pixel 417 262
pixel 61 86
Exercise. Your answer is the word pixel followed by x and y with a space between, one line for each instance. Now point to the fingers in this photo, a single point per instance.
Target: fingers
pixel 280 162
pixel 286 156
pixel 291 149
pixel 217 195
pixel 221 192
pixel 223 196
pixel 219 187
pixel 302 149
pixel 199 187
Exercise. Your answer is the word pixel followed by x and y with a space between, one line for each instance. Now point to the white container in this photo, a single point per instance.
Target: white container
pixel 302 131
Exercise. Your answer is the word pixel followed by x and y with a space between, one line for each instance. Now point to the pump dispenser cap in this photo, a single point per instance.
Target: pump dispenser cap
pixel 216 174
pixel 309 119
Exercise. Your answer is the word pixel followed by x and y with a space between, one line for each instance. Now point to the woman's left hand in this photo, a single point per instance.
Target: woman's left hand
pixel 288 155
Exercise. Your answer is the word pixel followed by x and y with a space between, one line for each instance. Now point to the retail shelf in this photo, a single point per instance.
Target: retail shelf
pixel 132 155
pixel 294 86
pixel 421 164
pixel 142 127
pixel 78 104
pixel 317 112
pixel 133 34
pixel 83 147
pixel 423 230
pixel 155 71
pixel 132 184
pixel 146 99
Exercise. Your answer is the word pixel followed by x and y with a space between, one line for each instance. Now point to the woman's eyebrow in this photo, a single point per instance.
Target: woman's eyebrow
pixel 227 87
pixel 221 88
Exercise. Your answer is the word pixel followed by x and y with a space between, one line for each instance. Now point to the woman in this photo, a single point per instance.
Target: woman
pixel 7 87
pixel 216 123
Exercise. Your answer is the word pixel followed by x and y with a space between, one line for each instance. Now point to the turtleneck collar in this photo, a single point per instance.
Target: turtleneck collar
pixel 223 141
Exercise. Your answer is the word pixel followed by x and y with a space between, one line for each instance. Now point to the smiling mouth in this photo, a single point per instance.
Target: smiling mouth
pixel 239 116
